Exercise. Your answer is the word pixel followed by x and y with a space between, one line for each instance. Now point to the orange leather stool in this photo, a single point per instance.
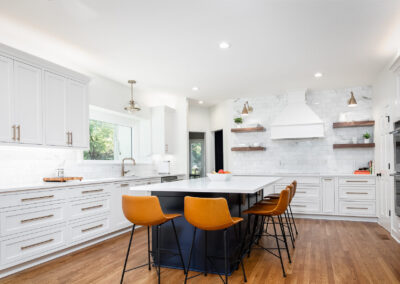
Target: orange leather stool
pixel 146 211
pixel 210 214
pixel 271 211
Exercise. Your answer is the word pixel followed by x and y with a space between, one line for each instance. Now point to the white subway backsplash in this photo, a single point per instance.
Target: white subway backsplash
pixel 305 155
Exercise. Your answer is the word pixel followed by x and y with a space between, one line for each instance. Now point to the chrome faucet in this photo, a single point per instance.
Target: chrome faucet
pixel 123 172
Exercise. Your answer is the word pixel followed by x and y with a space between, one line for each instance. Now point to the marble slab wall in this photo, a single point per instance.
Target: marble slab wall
pixel 305 155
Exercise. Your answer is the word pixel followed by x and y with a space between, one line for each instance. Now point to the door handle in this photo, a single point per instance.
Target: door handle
pixel 14 137
pixel 18 132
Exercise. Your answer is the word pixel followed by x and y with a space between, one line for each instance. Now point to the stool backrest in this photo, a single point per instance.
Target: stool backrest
pixel 208 213
pixel 283 201
pixel 142 210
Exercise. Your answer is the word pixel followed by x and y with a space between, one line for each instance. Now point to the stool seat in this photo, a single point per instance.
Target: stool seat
pixel 265 210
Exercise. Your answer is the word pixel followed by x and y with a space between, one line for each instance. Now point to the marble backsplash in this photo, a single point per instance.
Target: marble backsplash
pixel 305 155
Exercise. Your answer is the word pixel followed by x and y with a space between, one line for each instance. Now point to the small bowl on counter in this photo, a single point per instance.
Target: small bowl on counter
pixel 219 177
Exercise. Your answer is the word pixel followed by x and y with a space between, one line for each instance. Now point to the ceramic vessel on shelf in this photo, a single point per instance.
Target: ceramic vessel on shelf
pixel 366 141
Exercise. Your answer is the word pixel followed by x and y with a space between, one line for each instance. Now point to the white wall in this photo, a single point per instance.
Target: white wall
pixel 198 118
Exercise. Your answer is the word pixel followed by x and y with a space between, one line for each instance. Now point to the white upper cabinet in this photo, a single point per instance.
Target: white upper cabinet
pixel 28 103
pixel 6 99
pixel 55 111
pixel 41 103
pixel 77 114
pixel 162 130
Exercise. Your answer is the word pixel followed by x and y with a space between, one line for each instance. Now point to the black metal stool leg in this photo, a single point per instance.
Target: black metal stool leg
pixel 205 253
pixel 279 249
pixel 284 237
pixel 291 234
pixel 190 254
pixel 158 253
pixel 226 255
pixel 294 222
pixel 127 254
pixel 148 246
pixel 252 235
pixel 179 246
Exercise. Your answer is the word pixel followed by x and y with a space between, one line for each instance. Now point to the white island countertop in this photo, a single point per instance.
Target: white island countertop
pixel 237 184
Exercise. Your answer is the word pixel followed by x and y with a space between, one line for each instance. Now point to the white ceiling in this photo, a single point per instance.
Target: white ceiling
pixel 172 45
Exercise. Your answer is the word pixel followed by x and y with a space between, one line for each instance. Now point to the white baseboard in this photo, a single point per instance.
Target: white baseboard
pixel 338 218
pixel 29 264
pixel 395 236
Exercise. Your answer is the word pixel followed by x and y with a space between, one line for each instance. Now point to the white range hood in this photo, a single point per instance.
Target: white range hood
pixel 297 120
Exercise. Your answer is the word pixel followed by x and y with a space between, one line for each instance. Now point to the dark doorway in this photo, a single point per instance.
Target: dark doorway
pixel 219 150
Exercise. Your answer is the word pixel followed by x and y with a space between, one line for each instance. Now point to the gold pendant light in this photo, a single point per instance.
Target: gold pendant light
pixel 247 109
pixel 352 101
pixel 132 106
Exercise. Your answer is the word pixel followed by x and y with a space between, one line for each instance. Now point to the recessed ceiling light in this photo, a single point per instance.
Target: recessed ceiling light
pixel 318 75
pixel 201 102
pixel 195 89
pixel 224 45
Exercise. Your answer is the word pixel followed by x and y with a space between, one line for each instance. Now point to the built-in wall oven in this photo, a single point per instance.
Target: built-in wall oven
pixel 396 141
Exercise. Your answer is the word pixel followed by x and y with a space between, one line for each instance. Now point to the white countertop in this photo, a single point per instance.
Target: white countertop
pixel 45 185
pixel 237 184
pixel 321 174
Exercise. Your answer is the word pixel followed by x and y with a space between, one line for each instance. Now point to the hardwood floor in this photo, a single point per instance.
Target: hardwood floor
pixel 326 252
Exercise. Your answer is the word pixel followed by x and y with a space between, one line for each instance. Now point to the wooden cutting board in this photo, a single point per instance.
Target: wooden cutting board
pixel 61 179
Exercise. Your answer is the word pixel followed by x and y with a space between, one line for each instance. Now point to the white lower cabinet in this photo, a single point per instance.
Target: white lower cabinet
pixel 305 207
pixel 88 229
pixel 328 195
pixel 357 208
pixel 31 245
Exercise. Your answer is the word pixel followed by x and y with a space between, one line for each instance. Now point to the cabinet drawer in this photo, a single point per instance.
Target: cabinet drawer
pixel 32 246
pixel 29 219
pixel 90 191
pixel 300 180
pixel 88 229
pixel 32 197
pixel 357 193
pixel 305 207
pixel 366 208
pixel 307 193
pixel 357 181
pixel 89 207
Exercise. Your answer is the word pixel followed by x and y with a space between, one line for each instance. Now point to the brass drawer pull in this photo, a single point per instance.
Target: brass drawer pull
pixel 37 244
pixel 92 191
pixel 37 198
pixel 328 179
pixel 301 191
pixel 19 132
pixel 92 228
pixel 352 192
pixel 299 205
pixel 124 185
pixel 37 218
pixel 91 207
pixel 361 208
pixel 14 137
pixel 356 181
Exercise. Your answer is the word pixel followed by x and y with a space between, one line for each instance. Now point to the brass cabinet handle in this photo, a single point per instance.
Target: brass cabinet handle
pixel 19 132
pixel 124 185
pixel 14 137
pixel 362 208
pixel 298 205
pixel 72 141
pixel 37 198
pixel 301 191
pixel 356 181
pixel 37 218
pixel 37 244
pixel 68 138
pixel 328 179
pixel 91 207
pixel 92 228
pixel 92 191
pixel 352 192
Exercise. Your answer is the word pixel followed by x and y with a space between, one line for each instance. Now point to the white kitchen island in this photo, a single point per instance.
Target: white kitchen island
pixel 241 192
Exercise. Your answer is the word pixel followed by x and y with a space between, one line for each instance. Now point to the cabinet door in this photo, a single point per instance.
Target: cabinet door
pixel 28 103
pixel 77 113
pixel 55 117
pixel 6 99
pixel 328 195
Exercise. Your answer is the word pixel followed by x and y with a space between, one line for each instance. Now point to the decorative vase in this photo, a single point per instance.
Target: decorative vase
pixel 354 140
pixel 366 141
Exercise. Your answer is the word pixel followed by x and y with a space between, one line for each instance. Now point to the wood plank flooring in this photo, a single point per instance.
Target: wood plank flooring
pixel 326 252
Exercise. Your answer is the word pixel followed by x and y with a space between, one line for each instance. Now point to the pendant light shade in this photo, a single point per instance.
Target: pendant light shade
pixel 352 101
pixel 132 106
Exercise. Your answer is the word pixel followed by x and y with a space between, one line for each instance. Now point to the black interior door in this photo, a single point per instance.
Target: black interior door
pixel 219 150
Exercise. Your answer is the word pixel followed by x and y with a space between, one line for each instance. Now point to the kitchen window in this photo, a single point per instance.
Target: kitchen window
pixel 109 141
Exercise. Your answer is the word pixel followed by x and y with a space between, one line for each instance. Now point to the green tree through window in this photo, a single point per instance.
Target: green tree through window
pixel 101 141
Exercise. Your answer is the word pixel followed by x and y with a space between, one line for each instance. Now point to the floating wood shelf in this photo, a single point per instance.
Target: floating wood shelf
pixel 361 145
pixel 248 148
pixel 354 124
pixel 248 129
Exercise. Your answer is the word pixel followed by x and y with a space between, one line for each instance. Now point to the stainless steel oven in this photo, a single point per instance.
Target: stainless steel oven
pixel 397 194
pixel 396 141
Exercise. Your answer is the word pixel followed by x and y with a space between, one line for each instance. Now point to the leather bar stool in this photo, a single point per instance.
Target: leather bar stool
pixel 146 211
pixel 210 214
pixel 271 211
